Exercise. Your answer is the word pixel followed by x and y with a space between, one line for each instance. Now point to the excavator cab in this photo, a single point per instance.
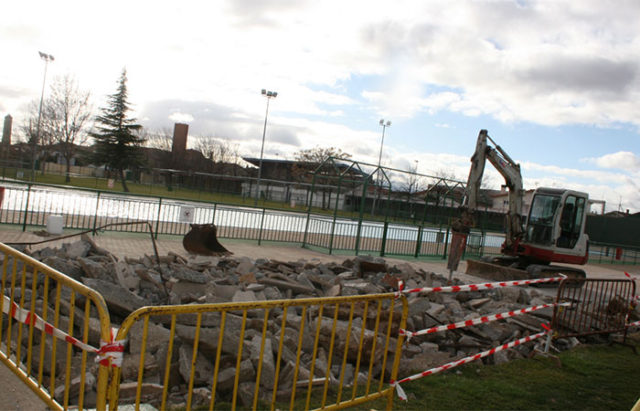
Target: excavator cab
pixel 555 227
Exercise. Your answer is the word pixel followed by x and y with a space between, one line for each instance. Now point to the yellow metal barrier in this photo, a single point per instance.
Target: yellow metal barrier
pixel 328 353
pixel 56 370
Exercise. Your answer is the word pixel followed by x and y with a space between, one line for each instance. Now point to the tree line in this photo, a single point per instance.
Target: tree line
pixel 68 120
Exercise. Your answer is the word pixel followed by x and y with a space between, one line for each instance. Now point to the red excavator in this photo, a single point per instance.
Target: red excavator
pixel 551 232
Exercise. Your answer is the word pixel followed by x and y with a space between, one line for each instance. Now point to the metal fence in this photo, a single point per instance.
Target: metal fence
pixel 599 306
pixel 38 304
pixel 613 254
pixel 327 353
pixel 31 205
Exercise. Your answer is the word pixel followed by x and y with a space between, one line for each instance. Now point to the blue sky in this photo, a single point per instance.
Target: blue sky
pixel 556 83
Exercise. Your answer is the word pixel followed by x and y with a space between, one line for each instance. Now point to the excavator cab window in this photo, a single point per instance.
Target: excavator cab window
pixel 571 221
pixel 541 217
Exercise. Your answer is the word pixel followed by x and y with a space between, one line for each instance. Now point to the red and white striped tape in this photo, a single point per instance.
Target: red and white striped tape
pixel 637 297
pixel 475 287
pixel 480 320
pixel 453 364
pixel 109 353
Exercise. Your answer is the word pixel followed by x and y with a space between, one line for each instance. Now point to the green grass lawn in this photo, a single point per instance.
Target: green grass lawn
pixel 602 377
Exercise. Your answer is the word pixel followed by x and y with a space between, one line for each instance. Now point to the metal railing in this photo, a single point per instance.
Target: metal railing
pixel 328 353
pixel 30 205
pixel 613 254
pixel 599 306
pixel 36 300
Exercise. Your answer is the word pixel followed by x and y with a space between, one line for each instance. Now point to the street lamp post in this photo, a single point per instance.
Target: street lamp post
pixel 47 58
pixel 269 95
pixel 384 126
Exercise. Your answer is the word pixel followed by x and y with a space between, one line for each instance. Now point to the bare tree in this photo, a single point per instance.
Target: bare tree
pixel 409 185
pixel 411 182
pixel 161 144
pixel 68 114
pixel 218 150
pixel 308 161
pixel 160 139
pixel 39 145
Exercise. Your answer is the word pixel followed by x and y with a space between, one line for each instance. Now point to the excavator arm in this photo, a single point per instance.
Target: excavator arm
pixel 510 170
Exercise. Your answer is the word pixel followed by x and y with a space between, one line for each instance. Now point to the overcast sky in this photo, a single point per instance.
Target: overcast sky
pixel 556 83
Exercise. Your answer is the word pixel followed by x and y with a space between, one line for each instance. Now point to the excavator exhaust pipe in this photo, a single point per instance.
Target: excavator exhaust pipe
pixel 202 240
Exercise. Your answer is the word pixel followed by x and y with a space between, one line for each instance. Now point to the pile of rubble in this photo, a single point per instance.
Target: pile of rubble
pixel 129 284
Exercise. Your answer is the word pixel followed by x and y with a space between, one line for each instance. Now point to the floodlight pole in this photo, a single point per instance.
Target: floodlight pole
pixel 269 95
pixel 47 58
pixel 384 126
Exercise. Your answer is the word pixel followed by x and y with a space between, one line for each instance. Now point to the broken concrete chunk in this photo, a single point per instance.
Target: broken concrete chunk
pixel 76 249
pixel 243 296
pixel 119 300
pixel 184 273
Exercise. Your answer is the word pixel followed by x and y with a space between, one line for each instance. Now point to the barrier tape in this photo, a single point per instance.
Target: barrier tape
pixel 637 297
pixel 476 321
pixel 634 301
pixel 109 353
pixel 636 324
pixel 475 287
pixel 453 364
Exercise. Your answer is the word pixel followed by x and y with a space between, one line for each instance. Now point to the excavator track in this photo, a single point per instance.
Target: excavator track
pixel 495 270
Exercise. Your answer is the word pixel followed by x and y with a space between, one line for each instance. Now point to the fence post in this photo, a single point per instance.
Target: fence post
pixel 95 217
pixel 335 215
pixel 333 231
pixel 363 202
pixel 306 231
pixel 418 243
pixel 446 243
pixel 385 227
pixel 158 217
pixel 26 208
pixel 261 225
pixel 213 219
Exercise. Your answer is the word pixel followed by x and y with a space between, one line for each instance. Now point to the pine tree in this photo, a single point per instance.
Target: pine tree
pixel 117 143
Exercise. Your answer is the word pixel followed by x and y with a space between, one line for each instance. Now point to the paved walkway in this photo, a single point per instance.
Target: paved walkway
pixel 137 245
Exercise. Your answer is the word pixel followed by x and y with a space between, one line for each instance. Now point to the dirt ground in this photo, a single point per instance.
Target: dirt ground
pixel 16 395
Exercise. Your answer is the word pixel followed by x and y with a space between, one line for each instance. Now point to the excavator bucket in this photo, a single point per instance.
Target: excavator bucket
pixel 202 240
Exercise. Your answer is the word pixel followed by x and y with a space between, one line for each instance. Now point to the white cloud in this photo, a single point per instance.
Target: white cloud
pixel 181 117
pixel 549 63
pixel 623 160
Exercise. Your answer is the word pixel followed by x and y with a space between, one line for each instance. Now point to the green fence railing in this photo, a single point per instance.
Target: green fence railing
pixel 31 204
